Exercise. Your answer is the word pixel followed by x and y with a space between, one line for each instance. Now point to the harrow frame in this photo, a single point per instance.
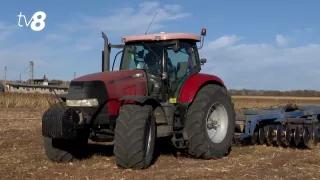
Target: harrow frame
pixel 289 125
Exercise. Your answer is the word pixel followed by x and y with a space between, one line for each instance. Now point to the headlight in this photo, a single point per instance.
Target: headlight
pixel 83 103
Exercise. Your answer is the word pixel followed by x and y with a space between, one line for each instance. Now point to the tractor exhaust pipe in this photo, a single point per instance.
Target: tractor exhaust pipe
pixel 105 54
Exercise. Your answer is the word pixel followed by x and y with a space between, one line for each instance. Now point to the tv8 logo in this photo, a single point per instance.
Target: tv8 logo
pixel 36 22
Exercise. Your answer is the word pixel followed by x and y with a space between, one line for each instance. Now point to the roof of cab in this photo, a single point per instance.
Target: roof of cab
pixel 161 37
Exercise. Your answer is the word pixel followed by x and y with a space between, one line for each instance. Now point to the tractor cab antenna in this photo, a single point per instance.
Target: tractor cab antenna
pixel 151 22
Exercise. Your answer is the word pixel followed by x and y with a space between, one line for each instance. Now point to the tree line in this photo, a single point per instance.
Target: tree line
pixel 296 93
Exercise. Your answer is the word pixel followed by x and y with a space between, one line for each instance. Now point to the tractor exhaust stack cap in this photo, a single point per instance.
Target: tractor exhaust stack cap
pixel 203 31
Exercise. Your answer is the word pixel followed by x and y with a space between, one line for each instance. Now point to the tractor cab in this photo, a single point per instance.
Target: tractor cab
pixel 168 60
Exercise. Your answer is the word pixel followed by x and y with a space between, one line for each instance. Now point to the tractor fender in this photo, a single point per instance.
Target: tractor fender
pixel 141 99
pixel 157 106
pixel 191 87
pixel 63 97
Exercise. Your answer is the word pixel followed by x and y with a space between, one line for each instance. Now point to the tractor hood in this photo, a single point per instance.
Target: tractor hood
pixel 110 76
pixel 108 85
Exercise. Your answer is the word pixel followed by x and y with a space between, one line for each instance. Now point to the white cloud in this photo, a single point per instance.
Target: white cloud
pixel 6 30
pixel 57 38
pixel 281 40
pixel 303 31
pixel 125 21
pixel 224 41
pixel 264 66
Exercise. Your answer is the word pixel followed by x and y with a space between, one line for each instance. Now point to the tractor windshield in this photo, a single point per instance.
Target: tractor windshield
pixel 148 56
pixel 142 55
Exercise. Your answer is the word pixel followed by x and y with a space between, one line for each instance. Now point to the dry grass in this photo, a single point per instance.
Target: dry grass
pixel 277 97
pixel 22 155
pixel 270 101
pixel 21 100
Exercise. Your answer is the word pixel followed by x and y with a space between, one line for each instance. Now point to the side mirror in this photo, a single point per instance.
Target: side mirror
pixel 203 61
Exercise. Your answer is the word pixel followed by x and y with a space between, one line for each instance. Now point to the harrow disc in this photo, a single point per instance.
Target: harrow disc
pixel 254 138
pixel 279 135
pixel 262 137
pixel 297 136
pixel 305 136
pixel 287 138
pixel 315 135
pixel 269 135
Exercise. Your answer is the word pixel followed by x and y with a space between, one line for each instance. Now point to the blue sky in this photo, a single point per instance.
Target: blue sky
pixel 249 44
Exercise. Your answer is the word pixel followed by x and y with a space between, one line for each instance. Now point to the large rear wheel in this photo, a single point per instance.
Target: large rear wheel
pixel 134 139
pixel 210 123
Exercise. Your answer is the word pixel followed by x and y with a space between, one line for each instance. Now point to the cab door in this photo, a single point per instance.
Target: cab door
pixel 185 62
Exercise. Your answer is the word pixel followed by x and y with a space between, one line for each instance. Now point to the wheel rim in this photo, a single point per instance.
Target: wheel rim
pixel 217 123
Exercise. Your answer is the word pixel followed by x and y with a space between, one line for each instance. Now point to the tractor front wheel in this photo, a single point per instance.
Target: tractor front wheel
pixel 65 150
pixel 210 123
pixel 135 134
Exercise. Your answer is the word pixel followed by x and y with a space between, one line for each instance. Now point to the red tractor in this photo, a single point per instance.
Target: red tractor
pixel 157 92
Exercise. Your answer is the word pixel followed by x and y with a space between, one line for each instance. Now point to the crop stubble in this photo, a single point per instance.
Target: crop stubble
pixel 22 156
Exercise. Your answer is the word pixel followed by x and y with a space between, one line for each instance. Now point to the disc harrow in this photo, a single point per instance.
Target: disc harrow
pixel 286 126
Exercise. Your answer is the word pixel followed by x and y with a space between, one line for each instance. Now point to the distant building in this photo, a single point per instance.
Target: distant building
pixel 1 88
pixel 42 85
pixel 40 82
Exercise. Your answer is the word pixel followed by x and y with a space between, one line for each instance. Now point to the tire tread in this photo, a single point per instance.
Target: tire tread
pixel 129 136
pixel 198 146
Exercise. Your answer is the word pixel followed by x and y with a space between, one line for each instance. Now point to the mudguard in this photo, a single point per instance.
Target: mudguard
pixel 63 97
pixel 194 83
pixel 140 99
pixel 162 111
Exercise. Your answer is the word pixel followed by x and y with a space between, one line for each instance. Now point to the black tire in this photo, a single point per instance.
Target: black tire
pixel 131 136
pixel 64 150
pixel 199 143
